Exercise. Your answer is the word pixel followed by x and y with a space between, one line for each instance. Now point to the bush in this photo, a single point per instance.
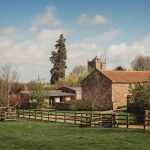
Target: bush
pixel 140 98
pixel 62 106
pixel 122 107
pixel 71 105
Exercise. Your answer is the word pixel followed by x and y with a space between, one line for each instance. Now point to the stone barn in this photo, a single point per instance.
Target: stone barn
pixel 106 90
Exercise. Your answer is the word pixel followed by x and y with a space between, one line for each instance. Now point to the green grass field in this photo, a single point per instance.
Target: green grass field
pixel 36 135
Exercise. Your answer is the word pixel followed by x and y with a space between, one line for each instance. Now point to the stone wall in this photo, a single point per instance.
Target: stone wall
pixel 96 91
pixel 119 95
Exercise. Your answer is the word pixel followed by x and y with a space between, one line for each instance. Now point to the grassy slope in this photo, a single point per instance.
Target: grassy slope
pixel 36 135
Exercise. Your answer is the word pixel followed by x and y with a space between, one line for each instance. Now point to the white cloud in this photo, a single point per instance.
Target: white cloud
pixel 5 42
pixel 8 36
pixel 10 31
pixel 33 29
pixel 80 53
pixel 116 54
pixel 97 19
pixel 46 18
pixel 106 36
pixel 31 56
pixel 123 53
pixel 30 50
pixel 109 35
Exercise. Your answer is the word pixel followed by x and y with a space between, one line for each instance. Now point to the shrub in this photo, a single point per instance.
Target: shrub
pixel 122 107
pixel 140 98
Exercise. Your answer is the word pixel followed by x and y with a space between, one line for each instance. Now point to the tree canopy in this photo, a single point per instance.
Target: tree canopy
pixel 37 91
pixel 121 68
pixel 140 97
pixel 58 59
pixel 141 63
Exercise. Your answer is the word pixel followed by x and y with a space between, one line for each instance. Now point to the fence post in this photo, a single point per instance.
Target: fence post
pixel 48 114
pixel 55 116
pixel 86 118
pixel 111 120
pixel 127 119
pixel 81 118
pixel 5 115
pixel 64 117
pixel 91 119
pixel 18 113
pixel 101 119
pixel 23 113
pixel 144 122
pixel 35 114
pixel 117 120
pixel 41 114
pixel 145 118
pixel 75 117
pixel 29 113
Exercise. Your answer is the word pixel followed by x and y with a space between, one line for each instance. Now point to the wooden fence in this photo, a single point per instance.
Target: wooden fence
pixel 147 119
pixel 89 119
pixel 7 113
pixel 53 116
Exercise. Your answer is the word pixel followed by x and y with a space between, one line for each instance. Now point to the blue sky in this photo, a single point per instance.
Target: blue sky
pixel 117 30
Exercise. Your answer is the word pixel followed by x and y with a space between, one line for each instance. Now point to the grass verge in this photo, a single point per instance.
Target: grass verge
pixel 36 135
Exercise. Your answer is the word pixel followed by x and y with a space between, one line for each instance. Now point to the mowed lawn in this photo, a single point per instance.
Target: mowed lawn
pixel 40 135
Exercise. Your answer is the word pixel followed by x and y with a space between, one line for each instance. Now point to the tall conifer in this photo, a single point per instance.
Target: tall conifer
pixel 58 59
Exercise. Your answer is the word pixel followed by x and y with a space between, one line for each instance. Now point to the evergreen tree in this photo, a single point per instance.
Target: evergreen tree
pixel 58 59
pixel 120 68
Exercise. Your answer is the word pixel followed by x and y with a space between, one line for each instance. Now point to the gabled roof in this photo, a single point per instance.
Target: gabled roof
pixel 54 93
pixel 77 89
pixel 126 76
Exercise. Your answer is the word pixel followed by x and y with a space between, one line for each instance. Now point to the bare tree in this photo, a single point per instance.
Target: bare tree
pixel 79 73
pixel 8 76
pixel 141 63
pixel 80 70
pixel 2 91
pixel 74 78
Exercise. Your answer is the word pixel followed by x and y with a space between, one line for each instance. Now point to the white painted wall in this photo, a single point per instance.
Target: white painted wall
pixel 57 99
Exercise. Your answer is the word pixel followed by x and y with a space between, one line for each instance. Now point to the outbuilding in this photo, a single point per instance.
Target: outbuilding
pixel 73 90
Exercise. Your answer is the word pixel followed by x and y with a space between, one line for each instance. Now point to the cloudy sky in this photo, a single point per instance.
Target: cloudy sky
pixel 115 30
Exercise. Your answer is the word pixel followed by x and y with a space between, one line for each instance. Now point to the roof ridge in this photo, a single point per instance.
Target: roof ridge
pixel 120 71
pixel 126 76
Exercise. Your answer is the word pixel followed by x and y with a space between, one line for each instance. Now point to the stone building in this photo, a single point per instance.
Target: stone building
pixel 58 96
pixel 109 89
pixel 96 63
pixel 52 97
pixel 77 91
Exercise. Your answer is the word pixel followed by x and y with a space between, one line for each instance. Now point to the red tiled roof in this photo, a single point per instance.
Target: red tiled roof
pixel 127 76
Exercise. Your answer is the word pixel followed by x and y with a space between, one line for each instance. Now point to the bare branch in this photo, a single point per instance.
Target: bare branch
pixel 8 76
